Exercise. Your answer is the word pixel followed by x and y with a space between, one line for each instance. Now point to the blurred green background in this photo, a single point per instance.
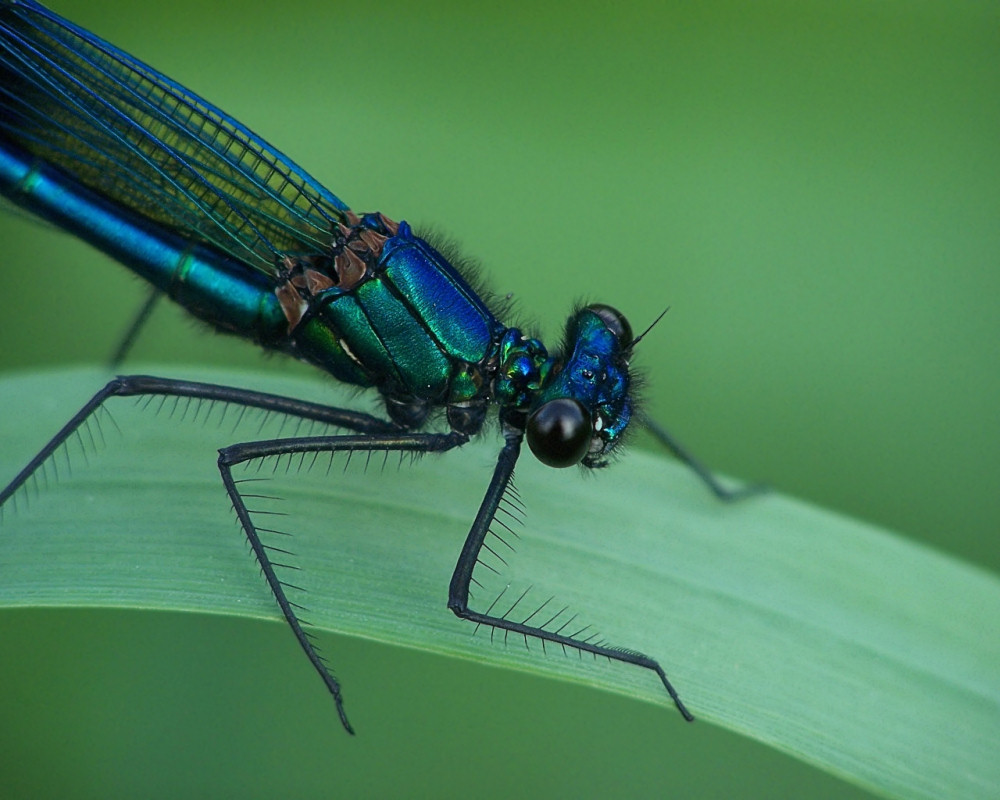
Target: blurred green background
pixel 813 189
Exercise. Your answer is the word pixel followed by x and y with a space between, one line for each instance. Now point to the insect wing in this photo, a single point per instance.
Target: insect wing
pixel 139 138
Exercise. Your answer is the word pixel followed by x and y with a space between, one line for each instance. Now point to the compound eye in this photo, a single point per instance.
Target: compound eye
pixel 559 433
pixel 614 321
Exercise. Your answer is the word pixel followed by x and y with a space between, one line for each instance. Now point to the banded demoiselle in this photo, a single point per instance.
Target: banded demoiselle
pixel 214 217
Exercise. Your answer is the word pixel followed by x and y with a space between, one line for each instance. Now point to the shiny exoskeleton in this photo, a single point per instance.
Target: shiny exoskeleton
pixel 221 222
pixel 386 309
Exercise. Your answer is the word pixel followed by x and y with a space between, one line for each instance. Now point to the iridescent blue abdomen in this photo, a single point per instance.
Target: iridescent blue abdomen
pixel 210 284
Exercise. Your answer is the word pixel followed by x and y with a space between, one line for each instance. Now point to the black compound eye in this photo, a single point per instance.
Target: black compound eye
pixel 614 321
pixel 559 433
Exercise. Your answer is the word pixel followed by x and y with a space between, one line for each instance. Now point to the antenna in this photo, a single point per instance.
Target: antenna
pixel 642 335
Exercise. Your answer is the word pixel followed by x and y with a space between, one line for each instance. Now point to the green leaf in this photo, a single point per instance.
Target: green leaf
pixel 843 645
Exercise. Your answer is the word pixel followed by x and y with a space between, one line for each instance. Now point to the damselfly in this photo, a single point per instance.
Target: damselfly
pixel 212 216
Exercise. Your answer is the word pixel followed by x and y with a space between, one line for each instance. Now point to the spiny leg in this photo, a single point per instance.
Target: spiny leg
pixel 458 595
pixel 682 454
pixel 415 443
pixel 144 385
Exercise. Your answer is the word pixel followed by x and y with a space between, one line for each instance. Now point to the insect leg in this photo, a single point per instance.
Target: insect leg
pixel 249 451
pixel 135 328
pixel 458 595
pixel 143 385
pixel 682 454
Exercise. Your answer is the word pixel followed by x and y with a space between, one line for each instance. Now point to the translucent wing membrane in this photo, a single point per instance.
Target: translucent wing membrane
pixel 176 174
pixel 132 134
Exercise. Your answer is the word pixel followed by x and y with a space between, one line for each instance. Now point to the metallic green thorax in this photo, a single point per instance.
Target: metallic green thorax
pixel 240 236
pixel 388 310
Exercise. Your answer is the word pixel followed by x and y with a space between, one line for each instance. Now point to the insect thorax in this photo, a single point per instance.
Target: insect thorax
pixel 385 309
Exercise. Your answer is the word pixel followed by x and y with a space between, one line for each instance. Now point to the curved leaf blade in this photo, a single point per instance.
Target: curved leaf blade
pixel 851 648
